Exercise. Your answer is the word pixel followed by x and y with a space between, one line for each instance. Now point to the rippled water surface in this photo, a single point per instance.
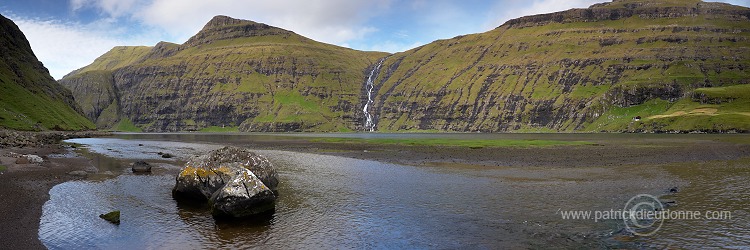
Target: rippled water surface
pixel 335 202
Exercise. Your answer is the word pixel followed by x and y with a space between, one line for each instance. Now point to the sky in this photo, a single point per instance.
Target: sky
pixel 69 34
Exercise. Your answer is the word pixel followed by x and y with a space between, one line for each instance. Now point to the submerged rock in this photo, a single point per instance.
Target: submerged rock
pixel 141 167
pixel 235 181
pixel 113 217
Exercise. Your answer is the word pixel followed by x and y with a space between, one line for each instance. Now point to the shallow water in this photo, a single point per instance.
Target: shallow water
pixel 335 202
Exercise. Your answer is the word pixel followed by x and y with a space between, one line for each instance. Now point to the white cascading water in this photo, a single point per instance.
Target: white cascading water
pixel 370 85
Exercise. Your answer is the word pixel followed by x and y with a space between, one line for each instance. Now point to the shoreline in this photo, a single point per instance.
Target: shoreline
pixel 25 189
pixel 26 186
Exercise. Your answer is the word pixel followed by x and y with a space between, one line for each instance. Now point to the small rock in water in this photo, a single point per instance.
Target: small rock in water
pixel 141 167
pixel 140 145
pixel 113 217
pixel 674 190
pixel 166 155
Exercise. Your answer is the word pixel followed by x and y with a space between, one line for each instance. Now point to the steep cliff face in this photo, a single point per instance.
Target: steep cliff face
pixel 628 65
pixel 30 99
pixel 233 73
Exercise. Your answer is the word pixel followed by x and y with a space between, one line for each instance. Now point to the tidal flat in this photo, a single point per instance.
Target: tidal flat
pixel 354 190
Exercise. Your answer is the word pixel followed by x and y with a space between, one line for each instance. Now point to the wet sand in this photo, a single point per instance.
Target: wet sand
pixel 24 188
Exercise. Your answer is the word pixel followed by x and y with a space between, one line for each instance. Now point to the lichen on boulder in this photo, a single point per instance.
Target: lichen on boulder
pixel 235 182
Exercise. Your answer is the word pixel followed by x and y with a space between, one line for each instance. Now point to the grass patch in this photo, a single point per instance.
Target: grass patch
pixel 32 108
pixel 621 118
pixel 217 129
pixel 741 91
pixel 3 168
pixel 125 125
pixel 474 144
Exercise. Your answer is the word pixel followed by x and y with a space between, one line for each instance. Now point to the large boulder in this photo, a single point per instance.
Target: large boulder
pixel 235 181
pixel 245 195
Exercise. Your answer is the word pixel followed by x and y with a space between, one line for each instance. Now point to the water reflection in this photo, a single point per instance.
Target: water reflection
pixel 335 202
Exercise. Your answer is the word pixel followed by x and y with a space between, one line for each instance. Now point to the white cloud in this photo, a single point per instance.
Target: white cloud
pixel 113 8
pixel 64 47
pixel 393 47
pixel 331 21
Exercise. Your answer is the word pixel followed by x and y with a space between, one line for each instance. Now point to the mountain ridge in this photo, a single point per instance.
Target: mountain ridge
pixel 208 81
pixel 623 66
pixel 566 71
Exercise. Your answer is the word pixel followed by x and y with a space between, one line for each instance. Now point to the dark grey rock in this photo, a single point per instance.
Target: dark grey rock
pixel 141 167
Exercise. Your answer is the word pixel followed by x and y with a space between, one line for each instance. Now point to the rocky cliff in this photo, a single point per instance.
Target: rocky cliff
pixel 30 99
pixel 233 74
pixel 628 65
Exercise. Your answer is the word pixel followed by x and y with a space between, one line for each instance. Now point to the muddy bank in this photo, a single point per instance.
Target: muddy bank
pixel 25 189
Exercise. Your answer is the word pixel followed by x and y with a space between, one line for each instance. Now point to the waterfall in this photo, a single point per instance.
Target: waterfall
pixel 369 86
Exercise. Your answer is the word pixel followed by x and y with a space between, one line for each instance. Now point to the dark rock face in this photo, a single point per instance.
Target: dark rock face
pixel 235 182
pixel 100 96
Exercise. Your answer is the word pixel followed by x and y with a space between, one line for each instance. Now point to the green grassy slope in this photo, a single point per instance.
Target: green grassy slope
pixel 235 73
pixel 579 70
pixel 30 99
pixel 116 58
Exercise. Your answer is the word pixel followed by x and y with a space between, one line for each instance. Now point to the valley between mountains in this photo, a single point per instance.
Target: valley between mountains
pixel 622 66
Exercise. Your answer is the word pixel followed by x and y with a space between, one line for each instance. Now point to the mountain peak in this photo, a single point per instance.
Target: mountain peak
pixel 221 21
pixel 224 27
